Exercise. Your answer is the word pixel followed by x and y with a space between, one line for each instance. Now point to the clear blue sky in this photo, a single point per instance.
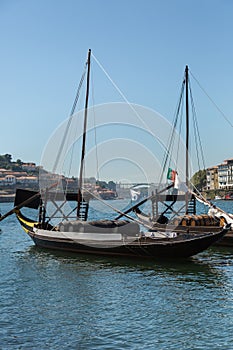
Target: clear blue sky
pixel 143 44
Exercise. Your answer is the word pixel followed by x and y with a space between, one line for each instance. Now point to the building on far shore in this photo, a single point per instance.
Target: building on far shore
pixel 30 167
pixel 212 178
pixel 10 179
pixel 220 176
pixel 225 174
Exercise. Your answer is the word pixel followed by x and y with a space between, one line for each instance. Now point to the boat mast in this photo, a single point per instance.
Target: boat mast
pixel 80 179
pixel 187 136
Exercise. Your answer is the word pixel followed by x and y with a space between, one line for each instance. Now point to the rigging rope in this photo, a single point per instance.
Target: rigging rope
pixel 96 152
pixel 216 106
pixel 117 210
pixel 198 144
pixel 168 152
pixel 69 121
pixel 124 97
pixel 199 196
pixel 196 131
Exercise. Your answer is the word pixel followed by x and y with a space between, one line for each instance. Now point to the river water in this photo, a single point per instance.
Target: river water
pixel 50 300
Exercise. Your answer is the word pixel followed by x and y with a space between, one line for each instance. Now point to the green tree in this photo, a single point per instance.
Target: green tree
pixel 112 185
pixel 8 158
pixel 199 180
pixel 102 184
pixel 5 161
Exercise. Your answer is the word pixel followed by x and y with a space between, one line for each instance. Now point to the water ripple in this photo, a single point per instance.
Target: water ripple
pixel 52 300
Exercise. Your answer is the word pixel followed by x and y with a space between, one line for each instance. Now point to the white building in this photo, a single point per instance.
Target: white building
pixel 225 174
pixel 27 180
pixel 8 180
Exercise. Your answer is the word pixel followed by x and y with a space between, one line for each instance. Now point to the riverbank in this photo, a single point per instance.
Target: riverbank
pixel 6 198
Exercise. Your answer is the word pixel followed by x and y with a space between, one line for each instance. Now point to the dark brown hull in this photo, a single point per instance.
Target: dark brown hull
pixel 179 247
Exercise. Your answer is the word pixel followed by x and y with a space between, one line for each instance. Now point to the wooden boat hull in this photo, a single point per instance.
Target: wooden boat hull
pixel 182 246
pixel 171 248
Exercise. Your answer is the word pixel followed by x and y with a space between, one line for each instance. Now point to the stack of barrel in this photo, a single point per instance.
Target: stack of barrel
pixel 196 220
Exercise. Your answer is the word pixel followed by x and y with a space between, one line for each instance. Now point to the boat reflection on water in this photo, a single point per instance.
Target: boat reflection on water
pixel 205 268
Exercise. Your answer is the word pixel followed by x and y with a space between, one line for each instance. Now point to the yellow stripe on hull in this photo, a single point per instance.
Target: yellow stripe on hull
pixel 26 224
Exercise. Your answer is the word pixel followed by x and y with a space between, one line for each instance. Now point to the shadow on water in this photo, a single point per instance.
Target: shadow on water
pixel 206 266
pixel 219 255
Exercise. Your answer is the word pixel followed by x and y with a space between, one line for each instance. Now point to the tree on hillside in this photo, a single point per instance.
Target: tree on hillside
pixel 8 157
pixel 7 163
pixel 5 160
pixel 199 180
pixel 112 185
pixel 102 184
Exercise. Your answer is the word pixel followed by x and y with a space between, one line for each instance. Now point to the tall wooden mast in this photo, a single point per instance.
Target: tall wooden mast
pixel 80 179
pixel 187 135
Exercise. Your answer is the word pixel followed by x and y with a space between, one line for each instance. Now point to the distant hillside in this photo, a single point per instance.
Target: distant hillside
pixel 18 165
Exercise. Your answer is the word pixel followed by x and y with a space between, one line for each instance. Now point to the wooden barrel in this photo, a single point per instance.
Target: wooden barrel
pixel 185 221
pixel 207 220
pixel 176 221
pixel 201 220
pixel 195 221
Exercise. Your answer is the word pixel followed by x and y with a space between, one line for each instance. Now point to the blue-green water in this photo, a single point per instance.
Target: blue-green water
pixel 51 300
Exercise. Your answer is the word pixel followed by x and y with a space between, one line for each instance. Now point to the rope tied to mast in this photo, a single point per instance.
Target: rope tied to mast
pixel 69 120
